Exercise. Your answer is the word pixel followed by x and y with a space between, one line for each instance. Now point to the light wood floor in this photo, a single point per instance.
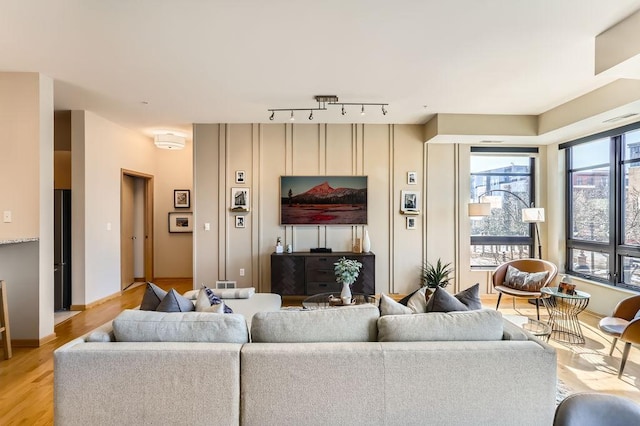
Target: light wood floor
pixel 26 380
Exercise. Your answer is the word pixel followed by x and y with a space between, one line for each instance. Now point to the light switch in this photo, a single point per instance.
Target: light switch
pixel 108 226
pixel 207 226
pixel 6 217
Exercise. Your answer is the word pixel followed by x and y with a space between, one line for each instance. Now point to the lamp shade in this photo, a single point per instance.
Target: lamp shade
pixel 533 215
pixel 169 141
pixel 479 209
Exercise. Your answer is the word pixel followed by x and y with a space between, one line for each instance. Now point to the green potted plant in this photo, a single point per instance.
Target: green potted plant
pixel 437 275
pixel 346 271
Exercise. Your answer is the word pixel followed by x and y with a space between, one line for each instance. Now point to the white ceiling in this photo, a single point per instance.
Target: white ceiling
pixel 198 61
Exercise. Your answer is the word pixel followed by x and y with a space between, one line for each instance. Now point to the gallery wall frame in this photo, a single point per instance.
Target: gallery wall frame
pixel 181 198
pixel 410 202
pixel 180 222
pixel 240 201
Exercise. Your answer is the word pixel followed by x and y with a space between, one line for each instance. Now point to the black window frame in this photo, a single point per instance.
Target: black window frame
pixel 614 248
pixel 529 240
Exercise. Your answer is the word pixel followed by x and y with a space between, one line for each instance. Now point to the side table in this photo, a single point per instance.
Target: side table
pixel 563 313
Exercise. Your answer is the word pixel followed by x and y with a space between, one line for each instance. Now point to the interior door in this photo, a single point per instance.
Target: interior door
pixel 127 231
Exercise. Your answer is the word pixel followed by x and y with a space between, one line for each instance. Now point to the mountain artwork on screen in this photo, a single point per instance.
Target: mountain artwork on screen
pixel 323 200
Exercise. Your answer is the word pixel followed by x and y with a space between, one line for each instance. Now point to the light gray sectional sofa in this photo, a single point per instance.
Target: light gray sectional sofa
pixel 342 366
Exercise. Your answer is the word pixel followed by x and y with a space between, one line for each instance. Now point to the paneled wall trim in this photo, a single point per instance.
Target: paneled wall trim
pixel 384 153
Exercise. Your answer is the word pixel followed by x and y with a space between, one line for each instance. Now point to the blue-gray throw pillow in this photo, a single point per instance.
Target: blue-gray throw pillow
pixel 153 295
pixel 175 302
pixel 215 300
pixel 441 301
pixel 470 297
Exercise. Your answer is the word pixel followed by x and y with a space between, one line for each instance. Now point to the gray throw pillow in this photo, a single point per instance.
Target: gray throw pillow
pixel 174 302
pixel 441 301
pixel 470 297
pixel 525 281
pixel 153 295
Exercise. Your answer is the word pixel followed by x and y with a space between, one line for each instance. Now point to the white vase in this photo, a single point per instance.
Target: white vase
pixel 366 242
pixel 345 294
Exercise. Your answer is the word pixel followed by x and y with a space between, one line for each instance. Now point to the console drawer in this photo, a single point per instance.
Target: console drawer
pixel 316 287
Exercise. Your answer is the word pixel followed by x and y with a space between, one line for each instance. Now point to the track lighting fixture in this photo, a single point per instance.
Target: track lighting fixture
pixel 324 101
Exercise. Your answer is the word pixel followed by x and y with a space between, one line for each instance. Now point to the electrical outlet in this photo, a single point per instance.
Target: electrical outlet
pixel 242 272
pixel 7 216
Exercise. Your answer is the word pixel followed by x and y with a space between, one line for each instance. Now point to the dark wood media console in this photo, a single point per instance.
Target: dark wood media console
pixel 301 273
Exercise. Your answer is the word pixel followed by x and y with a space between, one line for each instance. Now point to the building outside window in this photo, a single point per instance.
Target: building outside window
pixel 506 180
pixel 603 207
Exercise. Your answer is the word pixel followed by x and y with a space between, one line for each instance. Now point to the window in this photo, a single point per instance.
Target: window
pixel 603 209
pixel 506 181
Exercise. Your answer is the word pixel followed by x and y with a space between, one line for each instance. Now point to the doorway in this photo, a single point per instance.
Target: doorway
pixel 136 230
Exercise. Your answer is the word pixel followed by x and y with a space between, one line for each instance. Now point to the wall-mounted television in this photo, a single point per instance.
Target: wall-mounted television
pixel 323 200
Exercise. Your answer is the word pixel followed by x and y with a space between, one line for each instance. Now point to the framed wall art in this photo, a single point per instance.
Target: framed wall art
pixel 240 176
pixel 240 222
pixel 240 199
pixel 410 202
pixel 411 222
pixel 180 222
pixel 181 198
pixel 412 178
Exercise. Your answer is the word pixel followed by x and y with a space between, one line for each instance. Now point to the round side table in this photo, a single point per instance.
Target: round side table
pixel 563 313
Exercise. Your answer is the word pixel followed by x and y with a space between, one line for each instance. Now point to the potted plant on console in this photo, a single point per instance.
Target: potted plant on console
pixel 346 271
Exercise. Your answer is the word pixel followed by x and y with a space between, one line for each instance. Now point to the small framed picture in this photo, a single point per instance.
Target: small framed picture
pixel 410 201
pixel 240 176
pixel 411 222
pixel 240 222
pixel 240 199
pixel 181 198
pixel 412 178
pixel 180 222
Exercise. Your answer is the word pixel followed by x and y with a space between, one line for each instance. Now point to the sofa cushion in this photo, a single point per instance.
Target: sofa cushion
pixel 153 295
pixel 388 306
pixel 339 324
pixel 466 300
pixel 174 302
pixel 203 304
pixel 149 326
pixel 525 281
pixel 484 324
pixel 215 300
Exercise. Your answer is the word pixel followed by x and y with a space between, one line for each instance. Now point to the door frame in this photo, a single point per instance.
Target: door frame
pixel 148 219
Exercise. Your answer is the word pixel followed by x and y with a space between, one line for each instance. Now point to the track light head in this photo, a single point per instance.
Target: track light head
pixel 272 116
pixel 384 111
pixel 362 110
pixel 292 118
pixel 310 115
pixel 343 111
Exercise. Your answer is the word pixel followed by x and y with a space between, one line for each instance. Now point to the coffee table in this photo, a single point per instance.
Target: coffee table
pixel 563 314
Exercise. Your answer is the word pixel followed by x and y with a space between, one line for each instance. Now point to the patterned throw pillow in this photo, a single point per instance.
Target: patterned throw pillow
pixel 525 281
pixel 204 305
pixel 215 300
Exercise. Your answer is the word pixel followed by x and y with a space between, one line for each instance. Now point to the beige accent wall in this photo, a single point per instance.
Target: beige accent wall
pixel 26 189
pixel 173 252
pixel 385 153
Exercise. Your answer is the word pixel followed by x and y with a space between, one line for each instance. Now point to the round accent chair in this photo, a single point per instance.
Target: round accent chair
pixel 530 266
pixel 596 409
